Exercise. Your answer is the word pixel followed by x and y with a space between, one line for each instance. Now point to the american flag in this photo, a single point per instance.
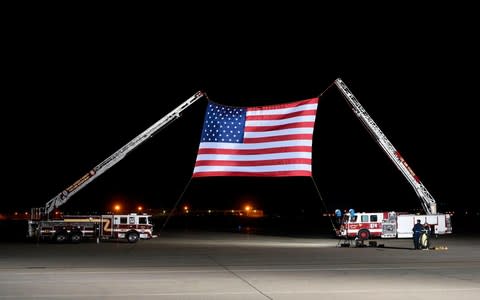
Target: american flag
pixel 274 140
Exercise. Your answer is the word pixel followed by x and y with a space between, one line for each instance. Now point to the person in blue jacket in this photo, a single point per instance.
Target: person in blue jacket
pixel 338 216
pixel 417 231
pixel 353 216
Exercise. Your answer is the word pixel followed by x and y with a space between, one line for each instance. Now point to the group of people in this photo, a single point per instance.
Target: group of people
pixel 419 229
pixel 339 215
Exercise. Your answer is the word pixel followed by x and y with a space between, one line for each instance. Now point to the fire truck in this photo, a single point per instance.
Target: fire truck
pixel 367 225
pixel 76 228
pixel 48 223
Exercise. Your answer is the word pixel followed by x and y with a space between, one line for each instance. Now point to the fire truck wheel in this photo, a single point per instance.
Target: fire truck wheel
pixel 61 237
pixel 364 234
pixel 75 237
pixel 132 237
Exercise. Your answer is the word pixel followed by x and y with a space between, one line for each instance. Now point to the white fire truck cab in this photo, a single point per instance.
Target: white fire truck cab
pixel 368 225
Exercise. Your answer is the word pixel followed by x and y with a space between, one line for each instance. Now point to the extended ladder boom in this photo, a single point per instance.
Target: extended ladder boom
pixel 63 196
pixel 428 203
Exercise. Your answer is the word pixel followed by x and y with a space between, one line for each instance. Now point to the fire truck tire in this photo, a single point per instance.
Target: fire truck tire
pixel 61 237
pixel 132 237
pixel 363 234
pixel 75 237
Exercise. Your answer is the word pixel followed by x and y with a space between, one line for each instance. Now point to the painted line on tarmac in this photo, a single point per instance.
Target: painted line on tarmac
pixel 221 270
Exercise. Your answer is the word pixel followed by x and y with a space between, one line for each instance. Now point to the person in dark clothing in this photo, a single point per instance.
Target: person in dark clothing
pixel 417 231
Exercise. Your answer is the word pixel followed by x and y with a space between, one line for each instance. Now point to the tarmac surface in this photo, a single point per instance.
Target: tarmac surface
pixel 221 265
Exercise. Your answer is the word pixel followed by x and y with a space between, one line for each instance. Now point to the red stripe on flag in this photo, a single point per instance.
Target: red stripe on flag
pixel 287 137
pixel 254 174
pixel 270 162
pixel 280 127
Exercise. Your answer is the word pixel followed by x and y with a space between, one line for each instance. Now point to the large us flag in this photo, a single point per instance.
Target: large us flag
pixel 273 140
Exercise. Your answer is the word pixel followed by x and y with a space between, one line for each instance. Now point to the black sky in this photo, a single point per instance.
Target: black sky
pixel 78 92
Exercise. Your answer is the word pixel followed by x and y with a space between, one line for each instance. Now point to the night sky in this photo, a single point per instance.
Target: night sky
pixel 76 95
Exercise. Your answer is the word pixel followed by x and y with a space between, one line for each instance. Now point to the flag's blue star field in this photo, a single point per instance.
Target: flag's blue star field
pixel 223 124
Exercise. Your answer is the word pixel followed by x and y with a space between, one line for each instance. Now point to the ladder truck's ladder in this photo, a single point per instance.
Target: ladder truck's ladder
pixel 427 201
pixel 63 196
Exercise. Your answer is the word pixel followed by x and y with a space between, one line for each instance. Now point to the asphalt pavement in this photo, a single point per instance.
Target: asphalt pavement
pixel 186 264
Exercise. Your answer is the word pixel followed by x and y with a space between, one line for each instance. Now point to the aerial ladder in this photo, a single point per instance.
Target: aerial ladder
pixel 62 197
pixel 428 202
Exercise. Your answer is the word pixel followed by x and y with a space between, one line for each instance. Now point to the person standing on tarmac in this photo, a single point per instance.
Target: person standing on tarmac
pixel 417 231
pixel 425 237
